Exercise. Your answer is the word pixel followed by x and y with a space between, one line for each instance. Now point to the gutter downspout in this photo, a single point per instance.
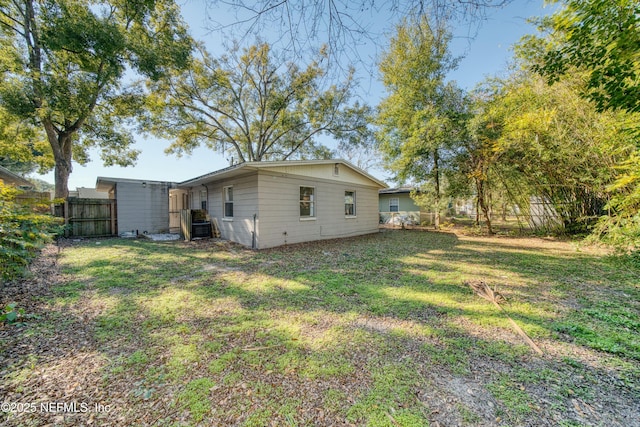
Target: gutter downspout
pixel 253 233
pixel 206 188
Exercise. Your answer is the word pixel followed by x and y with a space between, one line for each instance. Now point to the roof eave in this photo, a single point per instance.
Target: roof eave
pixel 16 179
pixel 249 166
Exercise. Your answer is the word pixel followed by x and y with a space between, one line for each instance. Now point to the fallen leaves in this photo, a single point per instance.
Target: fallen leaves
pixel 288 348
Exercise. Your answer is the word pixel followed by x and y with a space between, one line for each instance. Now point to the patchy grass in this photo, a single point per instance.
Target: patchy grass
pixel 379 330
pixel 195 398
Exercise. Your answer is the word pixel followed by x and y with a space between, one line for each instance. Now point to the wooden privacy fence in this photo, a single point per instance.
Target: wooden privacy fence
pixel 185 224
pixel 90 217
pixel 40 198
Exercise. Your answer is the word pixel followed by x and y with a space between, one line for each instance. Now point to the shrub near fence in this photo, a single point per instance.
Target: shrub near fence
pixel 23 230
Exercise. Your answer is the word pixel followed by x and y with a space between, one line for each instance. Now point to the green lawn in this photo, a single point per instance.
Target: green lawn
pixel 379 330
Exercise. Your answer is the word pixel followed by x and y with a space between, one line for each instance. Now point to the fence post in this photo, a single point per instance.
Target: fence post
pixel 112 210
pixel 65 213
pixel 185 224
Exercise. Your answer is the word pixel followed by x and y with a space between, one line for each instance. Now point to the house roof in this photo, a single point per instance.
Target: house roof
pixel 245 167
pixel 399 190
pixel 14 179
pixel 106 183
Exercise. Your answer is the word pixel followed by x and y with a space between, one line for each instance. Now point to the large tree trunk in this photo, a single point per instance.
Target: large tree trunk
pixel 436 173
pixel 61 144
pixel 480 189
pixel 62 172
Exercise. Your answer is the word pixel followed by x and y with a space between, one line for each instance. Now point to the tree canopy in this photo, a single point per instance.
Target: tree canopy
pixel 253 106
pixel 602 39
pixel 23 150
pixel 514 140
pixel 342 25
pixel 599 39
pixel 549 143
pixel 64 65
pixel 418 118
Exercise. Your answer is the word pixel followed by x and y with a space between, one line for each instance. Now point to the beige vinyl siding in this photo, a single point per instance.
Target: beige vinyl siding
pixel 280 210
pixel 245 204
pixel 322 171
pixel 144 208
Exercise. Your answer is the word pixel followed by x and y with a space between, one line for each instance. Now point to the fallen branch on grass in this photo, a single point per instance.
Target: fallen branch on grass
pixel 261 348
pixel 484 291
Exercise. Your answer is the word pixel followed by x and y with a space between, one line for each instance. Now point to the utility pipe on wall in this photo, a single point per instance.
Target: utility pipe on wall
pixel 253 233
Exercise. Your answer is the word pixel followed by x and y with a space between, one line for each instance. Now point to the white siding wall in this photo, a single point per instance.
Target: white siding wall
pixel 280 210
pixel 322 171
pixel 245 205
pixel 142 208
pixel 274 197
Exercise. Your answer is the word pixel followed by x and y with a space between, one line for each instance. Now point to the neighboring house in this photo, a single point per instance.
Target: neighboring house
pixel 142 206
pixel 396 206
pixel 267 204
pixel 38 200
pixel 88 193
pixel 14 180
pixel 543 215
pixel 465 207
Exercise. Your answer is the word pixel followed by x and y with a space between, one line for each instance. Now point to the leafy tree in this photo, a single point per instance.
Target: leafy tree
pixel 250 105
pixel 551 143
pixel 474 163
pixel 23 148
pixel 42 185
pixel 64 64
pixel 419 119
pixel 601 38
pixel 621 226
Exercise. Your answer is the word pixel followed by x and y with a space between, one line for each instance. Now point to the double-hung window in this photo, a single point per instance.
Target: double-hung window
pixel 307 202
pixel 350 203
pixel 228 202
pixel 394 204
pixel 203 199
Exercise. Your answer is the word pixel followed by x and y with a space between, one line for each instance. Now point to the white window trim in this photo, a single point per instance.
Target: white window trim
pixel 398 204
pixel 315 204
pixel 203 198
pixel 355 204
pixel 224 204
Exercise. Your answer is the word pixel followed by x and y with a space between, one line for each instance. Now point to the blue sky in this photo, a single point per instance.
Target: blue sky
pixel 488 54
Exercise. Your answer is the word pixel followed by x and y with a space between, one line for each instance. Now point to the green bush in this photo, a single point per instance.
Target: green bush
pixel 621 227
pixel 24 229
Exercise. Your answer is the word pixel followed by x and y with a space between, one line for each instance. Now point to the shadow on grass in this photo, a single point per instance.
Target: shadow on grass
pixel 359 327
pixel 389 275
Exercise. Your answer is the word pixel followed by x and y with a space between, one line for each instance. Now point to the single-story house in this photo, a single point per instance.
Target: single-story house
pixel 256 204
pixel 267 204
pixel 142 206
pixel 395 205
